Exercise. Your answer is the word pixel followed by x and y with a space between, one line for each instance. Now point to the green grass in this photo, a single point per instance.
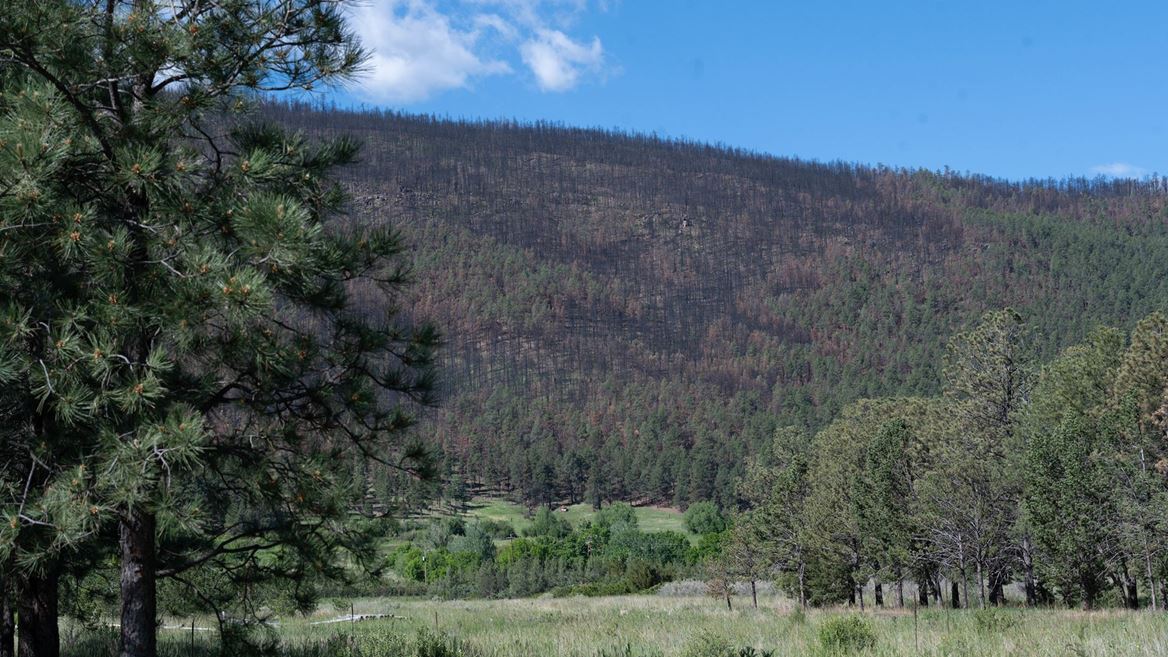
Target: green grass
pixel 661 626
pixel 649 518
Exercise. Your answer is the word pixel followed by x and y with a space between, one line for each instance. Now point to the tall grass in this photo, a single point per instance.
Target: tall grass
pixel 655 626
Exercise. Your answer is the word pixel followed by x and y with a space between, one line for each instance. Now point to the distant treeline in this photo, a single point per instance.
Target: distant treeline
pixel 627 317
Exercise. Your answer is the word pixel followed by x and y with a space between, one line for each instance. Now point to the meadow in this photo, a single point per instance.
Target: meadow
pixel 649 518
pixel 661 626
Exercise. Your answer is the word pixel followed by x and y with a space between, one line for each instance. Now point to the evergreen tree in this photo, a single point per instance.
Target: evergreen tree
pixel 775 490
pixel 885 502
pixel 1069 506
pixel 184 359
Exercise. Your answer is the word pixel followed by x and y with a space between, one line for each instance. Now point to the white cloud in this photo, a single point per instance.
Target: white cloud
pixel 420 48
pixel 557 61
pixel 417 51
pixel 1119 170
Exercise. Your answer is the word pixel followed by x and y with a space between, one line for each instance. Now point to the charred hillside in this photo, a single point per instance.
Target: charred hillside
pixel 628 317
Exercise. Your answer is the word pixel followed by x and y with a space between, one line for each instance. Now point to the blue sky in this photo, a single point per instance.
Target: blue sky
pixel 1012 89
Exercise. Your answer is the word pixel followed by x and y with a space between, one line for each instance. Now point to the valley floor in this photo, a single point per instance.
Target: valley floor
pixel 697 626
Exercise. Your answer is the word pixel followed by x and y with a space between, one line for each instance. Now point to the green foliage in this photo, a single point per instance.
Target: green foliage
pixel 616 517
pixel 591 560
pixel 193 380
pixel 1069 507
pixel 708 645
pixel 996 621
pixel 843 635
pixel 704 518
pixel 547 523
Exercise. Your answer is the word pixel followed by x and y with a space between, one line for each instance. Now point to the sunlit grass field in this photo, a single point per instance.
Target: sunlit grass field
pixel 699 626
pixel 649 518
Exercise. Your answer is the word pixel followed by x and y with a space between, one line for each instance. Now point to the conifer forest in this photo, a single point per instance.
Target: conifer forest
pixel 292 377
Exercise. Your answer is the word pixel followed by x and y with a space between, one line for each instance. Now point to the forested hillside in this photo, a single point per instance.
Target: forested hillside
pixel 628 318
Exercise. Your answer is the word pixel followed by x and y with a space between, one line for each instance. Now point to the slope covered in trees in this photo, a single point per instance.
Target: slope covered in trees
pixel 627 317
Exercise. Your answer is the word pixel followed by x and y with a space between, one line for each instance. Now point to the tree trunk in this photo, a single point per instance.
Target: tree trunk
pixel 139 595
pixel 1148 572
pixel 802 585
pixel 954 595
pixel 981 592
pixel 900 592
pixel 36 608
pixel 1130 589
pixel 923 593
pixel 1031 584
pixel 7 620
pixel 879 593
pixel 753 594
pixel 729 606
pixel 860 595
pixel 998 578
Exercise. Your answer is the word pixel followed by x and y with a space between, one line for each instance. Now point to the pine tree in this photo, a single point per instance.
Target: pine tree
pixel 193 349
pixel 775 488
pixel 884 502
pixel 1069 506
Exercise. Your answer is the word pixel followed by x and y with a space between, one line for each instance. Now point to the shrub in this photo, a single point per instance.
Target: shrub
pixel 708 645
pixel 846 634
pixel 498 529
pixel 994 621
pixel 617 516
pixel 704 518
pixel 430 644
pixel 547 523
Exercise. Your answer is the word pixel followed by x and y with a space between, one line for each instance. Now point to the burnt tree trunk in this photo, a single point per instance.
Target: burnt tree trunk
pixel 954 595
pixel 139 594
pixel 1131 590
pixel 998 579
pixel 36 607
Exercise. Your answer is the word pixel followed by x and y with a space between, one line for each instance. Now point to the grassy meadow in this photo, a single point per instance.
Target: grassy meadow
pixel 695 627
pixel 649 518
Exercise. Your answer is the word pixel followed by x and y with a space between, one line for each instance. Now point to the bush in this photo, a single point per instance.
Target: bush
pixel 994 621
pixel 708 645
pixel 439 645
pixel 704 518
pixel 617 516
pixel 547 523
pixel 474 541
pixel 846 634
pixel 498 529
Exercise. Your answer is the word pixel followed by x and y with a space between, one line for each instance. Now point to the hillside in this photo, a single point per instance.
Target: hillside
pixel 628 318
